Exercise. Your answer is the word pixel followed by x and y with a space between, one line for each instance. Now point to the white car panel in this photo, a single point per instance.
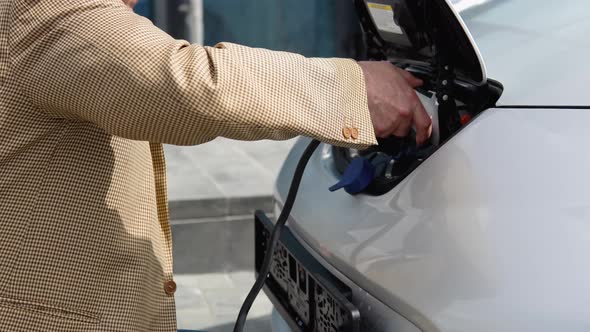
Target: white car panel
pixel 491 233
pixel 538 49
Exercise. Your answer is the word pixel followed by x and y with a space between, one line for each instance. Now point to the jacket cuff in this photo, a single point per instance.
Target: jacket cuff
pixel 355 106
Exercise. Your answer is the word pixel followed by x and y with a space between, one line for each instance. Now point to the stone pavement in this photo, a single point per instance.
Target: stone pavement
pixel 223 177
pixel 214 272
pixel 213 189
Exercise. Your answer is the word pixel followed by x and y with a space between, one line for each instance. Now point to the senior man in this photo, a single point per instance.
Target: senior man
pixel 89 92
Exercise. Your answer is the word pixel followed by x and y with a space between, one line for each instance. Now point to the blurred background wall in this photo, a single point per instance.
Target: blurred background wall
pixel 322 28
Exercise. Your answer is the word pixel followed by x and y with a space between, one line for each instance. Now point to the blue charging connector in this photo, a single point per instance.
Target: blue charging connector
pixel 357 177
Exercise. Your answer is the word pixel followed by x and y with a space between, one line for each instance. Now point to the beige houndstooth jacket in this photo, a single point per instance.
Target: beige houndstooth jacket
pixel 88 92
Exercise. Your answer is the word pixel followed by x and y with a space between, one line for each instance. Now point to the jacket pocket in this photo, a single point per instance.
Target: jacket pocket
pixel 68 314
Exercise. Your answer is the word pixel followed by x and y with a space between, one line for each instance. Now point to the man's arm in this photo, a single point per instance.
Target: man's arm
pixel 97 61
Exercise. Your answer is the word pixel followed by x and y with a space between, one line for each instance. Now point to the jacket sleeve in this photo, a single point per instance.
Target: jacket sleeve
pixel 97 61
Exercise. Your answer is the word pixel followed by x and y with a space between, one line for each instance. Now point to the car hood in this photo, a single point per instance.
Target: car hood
pixel 538 49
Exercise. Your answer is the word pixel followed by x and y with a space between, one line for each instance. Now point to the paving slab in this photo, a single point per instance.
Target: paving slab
pixel 214 189
pixel 214 270
pixel 223 177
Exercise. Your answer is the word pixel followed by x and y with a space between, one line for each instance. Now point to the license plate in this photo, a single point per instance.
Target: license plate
pixel 306 294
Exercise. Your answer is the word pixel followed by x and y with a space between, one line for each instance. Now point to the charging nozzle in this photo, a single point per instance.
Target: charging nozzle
pixel 357 177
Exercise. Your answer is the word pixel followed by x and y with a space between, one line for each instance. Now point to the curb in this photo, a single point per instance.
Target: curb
pixel 223 208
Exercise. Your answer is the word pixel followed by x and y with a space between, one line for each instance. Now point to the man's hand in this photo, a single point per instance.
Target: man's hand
pixel 393 103
pixel 130 3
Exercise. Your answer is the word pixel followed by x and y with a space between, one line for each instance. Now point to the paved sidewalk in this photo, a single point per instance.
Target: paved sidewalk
pixel 213 263
pixel 222 177
pixel 213 189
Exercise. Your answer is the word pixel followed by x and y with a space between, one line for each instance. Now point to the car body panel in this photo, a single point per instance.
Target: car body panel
pixel 491 233
pixel 377 316
pixel 538 49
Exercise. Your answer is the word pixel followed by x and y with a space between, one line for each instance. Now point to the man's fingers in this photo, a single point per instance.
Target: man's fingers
pixel 393 103
pixel 402 131
pixel 130 3
pixel 404 126
pixel 423 124
pixel 384 126
pixel 412 80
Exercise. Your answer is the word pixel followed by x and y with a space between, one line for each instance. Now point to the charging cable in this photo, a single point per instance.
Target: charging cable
pixel 275 236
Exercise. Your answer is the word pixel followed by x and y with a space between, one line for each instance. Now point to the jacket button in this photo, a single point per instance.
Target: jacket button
pixel 170 287
pixel 346 132
pixel 354 133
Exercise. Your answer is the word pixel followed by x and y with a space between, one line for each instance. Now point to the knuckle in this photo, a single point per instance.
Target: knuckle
pixel 380 130
pixel 411 95
pixel 427 123
pixel 422 128
pixel 405 111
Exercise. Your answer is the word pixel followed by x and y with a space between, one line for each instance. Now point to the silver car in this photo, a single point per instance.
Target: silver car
pixel 487 228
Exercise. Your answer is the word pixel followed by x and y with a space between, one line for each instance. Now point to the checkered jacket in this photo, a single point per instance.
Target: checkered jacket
pixel 88 93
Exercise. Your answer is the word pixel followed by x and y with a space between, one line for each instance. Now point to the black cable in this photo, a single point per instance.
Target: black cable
pixel 276 234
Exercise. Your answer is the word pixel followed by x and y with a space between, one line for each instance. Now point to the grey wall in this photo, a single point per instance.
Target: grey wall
pixel 309 27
